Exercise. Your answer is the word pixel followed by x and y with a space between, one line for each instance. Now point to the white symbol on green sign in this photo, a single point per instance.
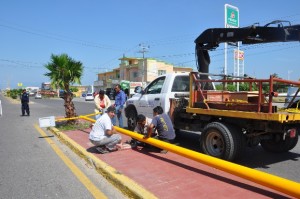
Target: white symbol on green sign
pixel 232 17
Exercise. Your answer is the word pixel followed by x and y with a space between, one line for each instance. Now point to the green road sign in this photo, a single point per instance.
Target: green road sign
pixel 232 16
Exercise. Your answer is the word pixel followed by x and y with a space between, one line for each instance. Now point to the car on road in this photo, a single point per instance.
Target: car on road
pixel 89 97
pixel 62 94
pixel 38 96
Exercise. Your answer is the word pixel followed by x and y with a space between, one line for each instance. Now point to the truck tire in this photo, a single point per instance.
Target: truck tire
pixel 222 141
pixel 278 145
pixel 131 118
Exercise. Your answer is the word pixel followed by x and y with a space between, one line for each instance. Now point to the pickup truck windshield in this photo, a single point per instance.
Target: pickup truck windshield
pixel 156 86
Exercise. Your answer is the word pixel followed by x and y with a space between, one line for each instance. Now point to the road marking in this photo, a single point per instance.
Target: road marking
pixel 76 171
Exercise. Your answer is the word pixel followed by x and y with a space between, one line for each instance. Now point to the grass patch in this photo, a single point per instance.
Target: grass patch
pixel 78 125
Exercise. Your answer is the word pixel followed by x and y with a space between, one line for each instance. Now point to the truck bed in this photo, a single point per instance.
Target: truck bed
pixel 250 104
pixel 280 116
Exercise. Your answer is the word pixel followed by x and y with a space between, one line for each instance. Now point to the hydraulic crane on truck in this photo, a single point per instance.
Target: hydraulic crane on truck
pixel 275 31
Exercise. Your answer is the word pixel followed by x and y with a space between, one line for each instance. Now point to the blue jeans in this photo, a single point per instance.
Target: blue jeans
pixel 119 116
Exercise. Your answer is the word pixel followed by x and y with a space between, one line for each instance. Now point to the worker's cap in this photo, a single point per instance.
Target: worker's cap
pixel 101 92
pixel 111 109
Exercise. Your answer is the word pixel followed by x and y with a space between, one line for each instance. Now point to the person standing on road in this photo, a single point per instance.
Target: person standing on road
pixel 25 103
pixel 163 125
pixel 119 104
pixel 103 135
pixel 102 102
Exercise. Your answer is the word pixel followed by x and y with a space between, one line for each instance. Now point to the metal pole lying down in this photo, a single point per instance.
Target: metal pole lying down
pixel 275 182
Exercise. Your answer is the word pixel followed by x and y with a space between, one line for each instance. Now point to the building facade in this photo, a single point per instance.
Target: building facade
pixel 136 70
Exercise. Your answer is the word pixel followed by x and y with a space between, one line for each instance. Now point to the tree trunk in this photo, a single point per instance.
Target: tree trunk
pixel 69 107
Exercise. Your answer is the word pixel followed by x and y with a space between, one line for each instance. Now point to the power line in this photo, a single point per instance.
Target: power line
pixel 63 38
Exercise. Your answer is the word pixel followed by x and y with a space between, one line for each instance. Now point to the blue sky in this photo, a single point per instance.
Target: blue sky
pixel 98 33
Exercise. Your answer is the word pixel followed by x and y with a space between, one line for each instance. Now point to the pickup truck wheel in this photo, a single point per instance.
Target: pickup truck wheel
pixel 131 119
pixel 278 144
pixel 222 141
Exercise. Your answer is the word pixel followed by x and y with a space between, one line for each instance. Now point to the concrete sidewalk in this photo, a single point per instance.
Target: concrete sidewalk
pixel 145 173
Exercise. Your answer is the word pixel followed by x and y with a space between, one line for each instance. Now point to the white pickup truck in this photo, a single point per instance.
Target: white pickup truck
pixel 157 93
pixel 228 121
pixel 292 94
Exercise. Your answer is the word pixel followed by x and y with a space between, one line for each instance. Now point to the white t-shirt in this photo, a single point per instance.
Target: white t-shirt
pixel 139 129
pixel 102 124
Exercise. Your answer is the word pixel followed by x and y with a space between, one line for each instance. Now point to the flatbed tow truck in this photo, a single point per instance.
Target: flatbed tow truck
pixel 230 121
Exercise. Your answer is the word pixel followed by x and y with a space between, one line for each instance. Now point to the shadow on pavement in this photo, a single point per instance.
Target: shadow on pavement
pixel 149 152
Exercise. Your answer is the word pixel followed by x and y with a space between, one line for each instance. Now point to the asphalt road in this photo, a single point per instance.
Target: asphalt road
pixel 31 168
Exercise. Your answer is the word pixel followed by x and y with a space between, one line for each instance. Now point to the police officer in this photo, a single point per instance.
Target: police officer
pixel 25 103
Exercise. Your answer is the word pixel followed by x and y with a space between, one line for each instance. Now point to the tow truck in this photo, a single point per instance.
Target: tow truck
pixel 228 121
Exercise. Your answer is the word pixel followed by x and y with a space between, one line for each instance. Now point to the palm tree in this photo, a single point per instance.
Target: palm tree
pixel 64 71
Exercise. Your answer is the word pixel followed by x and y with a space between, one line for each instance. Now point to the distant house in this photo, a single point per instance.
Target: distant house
pixel 46 86
pixel 32 90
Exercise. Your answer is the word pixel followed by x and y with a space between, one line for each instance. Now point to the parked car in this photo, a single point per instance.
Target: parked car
pixel 62 93
pixel 290 94
pixel 38 96
pixel 31 93
pixel 111 93
pixel 89 97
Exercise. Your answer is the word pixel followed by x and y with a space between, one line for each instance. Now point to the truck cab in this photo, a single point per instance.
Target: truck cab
pixel 157 93
pixel 292 94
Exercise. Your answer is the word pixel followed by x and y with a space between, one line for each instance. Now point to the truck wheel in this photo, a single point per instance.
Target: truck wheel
pixel 278 145
pixel 131 119
pixel 222 141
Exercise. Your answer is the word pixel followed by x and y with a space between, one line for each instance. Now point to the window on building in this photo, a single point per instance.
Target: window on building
pixel 161 72
pixel 135 74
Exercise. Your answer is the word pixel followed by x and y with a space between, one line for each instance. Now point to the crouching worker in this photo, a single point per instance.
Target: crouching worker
pixel 103 134
pixel 142 125
pixel 163 125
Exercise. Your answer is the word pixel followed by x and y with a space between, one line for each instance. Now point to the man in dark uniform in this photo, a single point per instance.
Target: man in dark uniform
pixel 25 103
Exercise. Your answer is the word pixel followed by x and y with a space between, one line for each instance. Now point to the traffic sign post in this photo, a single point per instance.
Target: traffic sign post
pixel 231 21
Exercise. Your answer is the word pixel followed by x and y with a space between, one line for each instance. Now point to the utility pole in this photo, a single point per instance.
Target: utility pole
pixel 143 50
